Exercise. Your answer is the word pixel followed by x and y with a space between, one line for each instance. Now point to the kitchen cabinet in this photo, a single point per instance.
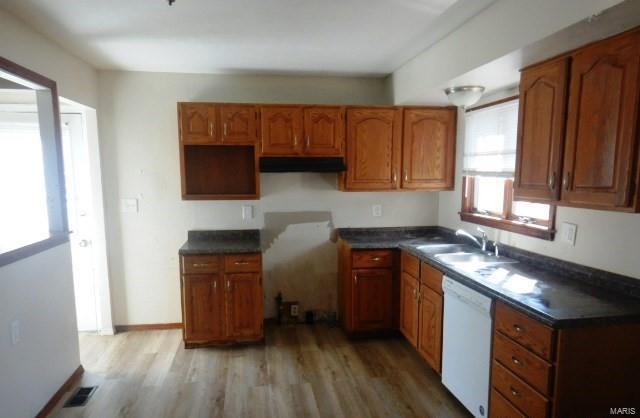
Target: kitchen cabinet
pixel 539 371
pixel 324 128
pixel 374 137
pixel 586 156
pixel 281 129
pixel 219 304
pixel 541 129
pixel 239 124
pixel 428 148
pixel 421 309
pixel 198 123
pixel 601 150
pixel 368 290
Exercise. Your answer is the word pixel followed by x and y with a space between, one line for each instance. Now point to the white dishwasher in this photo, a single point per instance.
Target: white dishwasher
pixel 466 345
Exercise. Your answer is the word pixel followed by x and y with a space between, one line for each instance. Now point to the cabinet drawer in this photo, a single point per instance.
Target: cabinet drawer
pixel 523 363
pixel 502 408
pixel 242 263
pixel 367 259
pixel 410 265
pixel 523 396
pixel 200 264
pixel 524 330
pixel 431 277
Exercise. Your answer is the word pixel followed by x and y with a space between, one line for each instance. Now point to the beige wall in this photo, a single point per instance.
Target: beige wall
pixel 139 134
pixel 605 240
pixel 38 291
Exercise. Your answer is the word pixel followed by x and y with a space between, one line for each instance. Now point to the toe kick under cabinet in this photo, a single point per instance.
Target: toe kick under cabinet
pixel 222 299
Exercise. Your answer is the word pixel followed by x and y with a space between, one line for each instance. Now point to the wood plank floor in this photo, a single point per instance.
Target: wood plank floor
pixel 300 371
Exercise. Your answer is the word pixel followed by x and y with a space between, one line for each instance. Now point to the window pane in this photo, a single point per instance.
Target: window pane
pixel 531 210
pixel 489 194
pixel 23 213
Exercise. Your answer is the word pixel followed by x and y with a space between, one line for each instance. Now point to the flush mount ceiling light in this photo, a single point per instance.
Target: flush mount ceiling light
pixel 464 95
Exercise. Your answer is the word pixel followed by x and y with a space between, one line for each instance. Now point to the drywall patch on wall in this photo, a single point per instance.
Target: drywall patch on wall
pixel 299 260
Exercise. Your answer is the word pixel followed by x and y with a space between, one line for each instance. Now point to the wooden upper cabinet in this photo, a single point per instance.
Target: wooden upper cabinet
pixel 373 148
pixel 198 123
pixel 372 299
pixel 243 305
pixel 541 129
pixel 430 334
pixel 409 312
pixel 324 131
pixel 601 146
pixel 238 124
pixel 428 148
pixel 203 302
pixel 282 129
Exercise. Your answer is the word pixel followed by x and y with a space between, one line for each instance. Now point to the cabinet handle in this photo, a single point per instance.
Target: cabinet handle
pixel 225 129
pixel 418 296
pixel 518 328
pixel 215 284
pixel 241 263
pixel 308 141
pixel 295 140
pixel 197 265
pixel 513 391
pixel 406 176
pixel 515 360
pixel 395 177
pixel 210 128
pixel 376 258
pixel 229 285
pixel 552 181
pixel 567 180
pixel 355 279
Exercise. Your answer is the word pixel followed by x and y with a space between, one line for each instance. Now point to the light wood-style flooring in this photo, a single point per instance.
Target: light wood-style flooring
pixel 300 371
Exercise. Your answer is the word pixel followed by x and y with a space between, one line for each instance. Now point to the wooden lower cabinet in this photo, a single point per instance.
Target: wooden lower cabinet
pixel 580 371
pixel 221 307
pixel 421 304
pixel 430 334
pixel 368 290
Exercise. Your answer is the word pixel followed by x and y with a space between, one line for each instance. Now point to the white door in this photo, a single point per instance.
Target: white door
pixel 81 222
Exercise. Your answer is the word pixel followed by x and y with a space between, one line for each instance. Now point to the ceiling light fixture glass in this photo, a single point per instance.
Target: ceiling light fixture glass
pixel 464 95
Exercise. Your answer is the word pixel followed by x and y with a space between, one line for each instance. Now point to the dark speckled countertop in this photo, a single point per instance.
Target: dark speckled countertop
pixel 222 242
pixel 555 292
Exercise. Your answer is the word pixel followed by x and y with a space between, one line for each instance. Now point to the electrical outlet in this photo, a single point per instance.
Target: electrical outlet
pixel 15 332
pixel 569 232
pixel 295 310
pixel 376 210
pixel 247 212
pixel 129 205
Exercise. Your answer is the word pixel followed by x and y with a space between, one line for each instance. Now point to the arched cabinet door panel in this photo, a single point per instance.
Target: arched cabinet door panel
pixel 238 124
pixel 281 130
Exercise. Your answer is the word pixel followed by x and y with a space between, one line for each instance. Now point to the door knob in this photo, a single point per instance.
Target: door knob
pixel 84 243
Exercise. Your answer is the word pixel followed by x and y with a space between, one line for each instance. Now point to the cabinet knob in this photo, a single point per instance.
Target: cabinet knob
pixel 514 392
pixel 515 360
pixel 518 328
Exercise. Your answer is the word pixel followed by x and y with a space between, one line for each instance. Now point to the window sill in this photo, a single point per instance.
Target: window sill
pixel 536 231
pixel 34 248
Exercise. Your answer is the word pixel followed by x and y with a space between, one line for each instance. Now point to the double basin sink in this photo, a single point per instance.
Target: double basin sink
pixel 463 257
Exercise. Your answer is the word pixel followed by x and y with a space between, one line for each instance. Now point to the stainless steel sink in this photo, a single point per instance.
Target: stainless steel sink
pixel 472 261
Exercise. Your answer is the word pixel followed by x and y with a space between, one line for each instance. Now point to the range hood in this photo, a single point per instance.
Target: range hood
pixel 302 164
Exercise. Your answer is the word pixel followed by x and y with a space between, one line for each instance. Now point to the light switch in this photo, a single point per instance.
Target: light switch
pixel 247 212
pixel 569 232
pixel 129 205
pixel 376 210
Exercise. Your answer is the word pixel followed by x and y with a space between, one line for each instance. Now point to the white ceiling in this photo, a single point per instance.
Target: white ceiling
pixel 353 37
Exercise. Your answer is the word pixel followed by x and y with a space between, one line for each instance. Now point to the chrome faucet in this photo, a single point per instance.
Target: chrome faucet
pixel 482 244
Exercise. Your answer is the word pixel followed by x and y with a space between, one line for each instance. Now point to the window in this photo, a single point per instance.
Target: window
pixel 32 209
pixel 489 166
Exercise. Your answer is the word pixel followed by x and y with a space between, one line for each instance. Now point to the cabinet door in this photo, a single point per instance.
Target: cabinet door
pixel 409 313
pixel 373 148
pixel 281 130
pixel 372 299
pixel 428 149
pixel 602 124
pixel 541 128
pixel 430 334
pixel 238 124
pixel 323 131
pixel 203 307
pixel 244 305
pixel 198 123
